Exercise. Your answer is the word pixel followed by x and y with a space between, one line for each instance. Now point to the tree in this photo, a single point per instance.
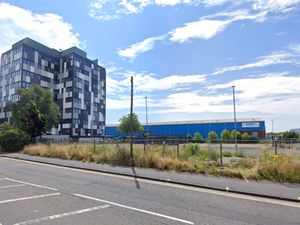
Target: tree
pixel 198 137
pixel 35 108
pixel 213 136
pixel 124 126
pixel 246 136
pixel 33 122
pixel 237 133
pixel 290 135
pixel 225 135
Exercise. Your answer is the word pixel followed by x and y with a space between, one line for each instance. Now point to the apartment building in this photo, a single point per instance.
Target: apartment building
pixel 77 82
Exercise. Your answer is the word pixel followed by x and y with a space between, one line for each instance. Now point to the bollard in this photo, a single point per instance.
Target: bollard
pixel 177 150
pixel 275 147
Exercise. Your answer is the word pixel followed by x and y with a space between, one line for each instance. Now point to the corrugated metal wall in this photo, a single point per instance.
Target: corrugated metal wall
pixel 182 130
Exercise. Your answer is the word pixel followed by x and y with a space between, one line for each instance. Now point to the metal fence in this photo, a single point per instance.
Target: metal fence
pixel 246 147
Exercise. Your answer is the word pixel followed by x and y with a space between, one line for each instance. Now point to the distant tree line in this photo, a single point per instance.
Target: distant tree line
pixel 227 136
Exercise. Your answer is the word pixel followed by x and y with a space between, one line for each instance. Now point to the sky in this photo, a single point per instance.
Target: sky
pixel 184 55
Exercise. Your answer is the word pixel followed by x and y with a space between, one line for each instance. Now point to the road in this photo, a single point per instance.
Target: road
pixel 32 193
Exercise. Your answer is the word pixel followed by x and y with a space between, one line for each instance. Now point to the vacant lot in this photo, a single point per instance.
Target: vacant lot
pixel 191 158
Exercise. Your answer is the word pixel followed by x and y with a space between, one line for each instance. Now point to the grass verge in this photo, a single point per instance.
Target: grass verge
pixel 191 158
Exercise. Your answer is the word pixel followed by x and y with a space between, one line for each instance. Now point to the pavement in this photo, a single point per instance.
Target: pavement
pixel 35 193
pixel 272 190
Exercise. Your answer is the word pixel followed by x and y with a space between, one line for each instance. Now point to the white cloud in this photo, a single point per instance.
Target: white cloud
pixel 268 94
pixel 133 50
pixel 295 48
pixel 50 29
pixel 203 29
pixel 207 28
pixel 274 5
pixel 115 9
pixel 271 93
pixel 145 83
pixel 211 3
pixel 272 59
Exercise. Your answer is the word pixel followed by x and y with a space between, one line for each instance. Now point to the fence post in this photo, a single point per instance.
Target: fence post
pixel 177 150
pixel 144 146
pixel 275 147
pixel 94 145
pixel 221 153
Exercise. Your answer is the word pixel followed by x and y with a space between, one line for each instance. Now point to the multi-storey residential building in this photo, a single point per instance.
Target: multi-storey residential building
pixel 78 85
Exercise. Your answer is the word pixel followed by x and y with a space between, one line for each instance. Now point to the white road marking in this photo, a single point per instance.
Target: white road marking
pixel 31 184
pixel 178 186
pixel 136 209
pixel 27 198
pixel 11 186
pixel 58 216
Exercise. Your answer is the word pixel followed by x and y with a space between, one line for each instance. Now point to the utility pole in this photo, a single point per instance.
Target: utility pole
pixel 273 133
pixel 147 131
pixel 234 113
pixel 131 119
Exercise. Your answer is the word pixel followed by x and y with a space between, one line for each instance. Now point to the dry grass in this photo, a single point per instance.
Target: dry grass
pixel 191 159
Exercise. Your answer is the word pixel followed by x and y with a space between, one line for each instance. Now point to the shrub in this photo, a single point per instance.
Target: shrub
pixel 212 155
pixel 235 133
pixel 245 136
pixel 212 136
pixel 290 134
pixel 283 168
pixel 239 154
pixel 198 138
pixel 189 150
pixel 12 140
pixel 225 135
pixel 227 154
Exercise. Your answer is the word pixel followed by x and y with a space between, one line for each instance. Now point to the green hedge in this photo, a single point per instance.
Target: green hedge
pixel 13 140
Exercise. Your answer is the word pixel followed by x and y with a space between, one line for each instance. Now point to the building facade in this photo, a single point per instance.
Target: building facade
pixel 78 85
pixel 180 129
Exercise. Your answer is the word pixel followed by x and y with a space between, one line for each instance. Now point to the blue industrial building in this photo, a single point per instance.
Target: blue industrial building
pixel 254 126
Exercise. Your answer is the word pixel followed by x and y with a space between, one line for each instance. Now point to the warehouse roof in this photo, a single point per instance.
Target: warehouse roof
pixel 197 122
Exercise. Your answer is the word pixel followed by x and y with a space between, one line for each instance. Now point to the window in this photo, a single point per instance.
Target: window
pixel 75 110
pixel 77 80
pixel 69 99
pixel 76 121
pixel 69 89
pixel 77 100
pixel 25 84
pixel 16 85
pixel 77 90
pixel 68 110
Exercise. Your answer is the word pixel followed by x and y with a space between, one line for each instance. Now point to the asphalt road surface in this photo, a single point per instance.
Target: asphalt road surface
pixel 33 193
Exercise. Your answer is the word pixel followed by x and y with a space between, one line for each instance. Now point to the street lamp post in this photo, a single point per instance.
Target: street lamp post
pixel 147 132
pixel 234 113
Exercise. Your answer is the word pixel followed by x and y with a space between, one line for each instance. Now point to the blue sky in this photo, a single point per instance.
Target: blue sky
pixel 184 54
